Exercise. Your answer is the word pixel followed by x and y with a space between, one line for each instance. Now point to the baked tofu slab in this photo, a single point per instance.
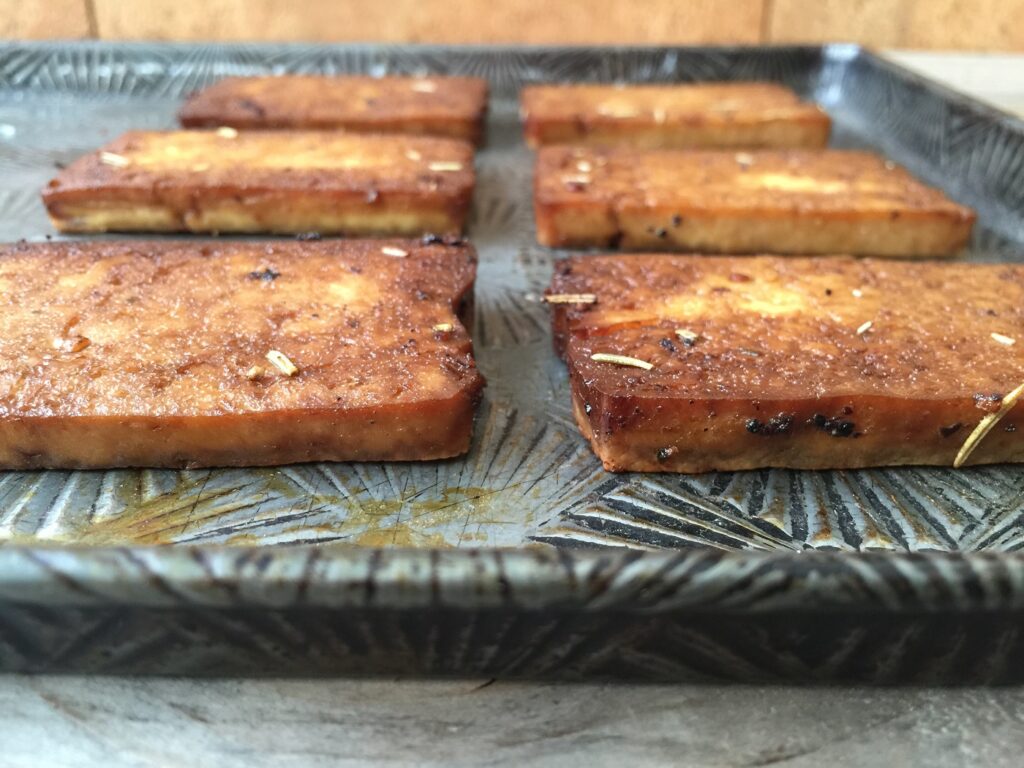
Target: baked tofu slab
pixel 789 202
pixel 428 106
pixel 185 354
pixel 266 181
pixel 707 115
pixel 741 363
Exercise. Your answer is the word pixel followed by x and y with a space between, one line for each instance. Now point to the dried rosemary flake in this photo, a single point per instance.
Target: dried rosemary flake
pixel 398 253
pixel 444 328
pixel 71 344
pixel 413 155
pixel 985 426
pixel 604 357
pixel 571 298
pixel 226 132
pixel 864 328
pixel 280 361
pixel 444 165
pixel 256 372
pixel 114 160
pixel 1004 340
pixel 687 335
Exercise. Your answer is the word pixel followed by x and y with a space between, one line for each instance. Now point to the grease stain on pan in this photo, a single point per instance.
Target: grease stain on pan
pixel 193 510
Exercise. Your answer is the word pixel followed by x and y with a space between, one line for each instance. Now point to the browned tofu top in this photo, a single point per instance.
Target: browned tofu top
pixel 176 328
pixel 785 328
pixel 787 181
pixel 317 101
pixel 674 103
pixel 142 162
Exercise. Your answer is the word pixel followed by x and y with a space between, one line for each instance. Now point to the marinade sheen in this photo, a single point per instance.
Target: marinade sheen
pixel 266 181
pixel 453 107
pixel 192 354
pixel 700 363
pixel 792 202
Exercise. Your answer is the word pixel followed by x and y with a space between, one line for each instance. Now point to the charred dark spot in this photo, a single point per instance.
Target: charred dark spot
pixel 894 215
pixel 1010 428
pixel 251 106
pixel 664 454
pixel 421 295
pixel 659 232
pixel 431 239
pixel 950 430
pixel 352 322
pixel 828 291
pixel 304 236
pixel 834 426
pixel 667 344
pixel 677 220
pixel 615 240
pixel 266 274
pixel 355 269
pixel 847 410
pixel 779 424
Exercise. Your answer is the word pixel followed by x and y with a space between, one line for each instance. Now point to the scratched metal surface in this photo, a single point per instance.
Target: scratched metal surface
pixel 529 478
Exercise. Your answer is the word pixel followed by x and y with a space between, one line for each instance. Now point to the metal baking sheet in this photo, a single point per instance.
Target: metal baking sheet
pixel 529 477
pixel 530 484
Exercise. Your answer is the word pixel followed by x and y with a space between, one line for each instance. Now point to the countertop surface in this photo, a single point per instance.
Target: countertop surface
pixel 115 722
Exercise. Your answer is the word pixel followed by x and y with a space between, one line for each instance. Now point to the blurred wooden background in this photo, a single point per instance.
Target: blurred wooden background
pixel 935 24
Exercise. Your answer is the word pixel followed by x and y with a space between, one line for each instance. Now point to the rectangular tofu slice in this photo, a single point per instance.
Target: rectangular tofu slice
pixel 789 362
pixel 427 106
pixel 708 115
pixel 193 354
pixel 800 202
pixel 266 181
